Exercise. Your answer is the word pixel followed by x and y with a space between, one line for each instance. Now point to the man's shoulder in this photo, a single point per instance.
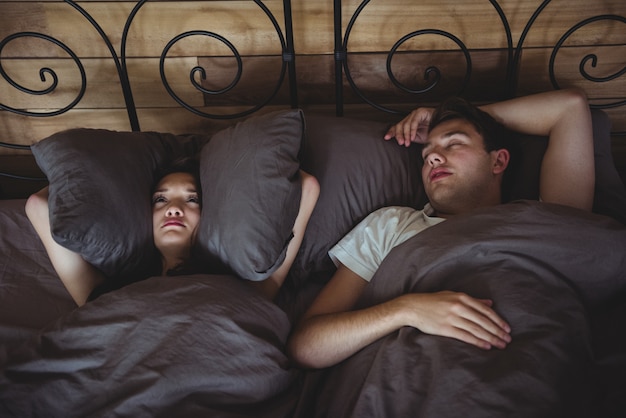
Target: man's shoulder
pixel 395 211
pixel 394 216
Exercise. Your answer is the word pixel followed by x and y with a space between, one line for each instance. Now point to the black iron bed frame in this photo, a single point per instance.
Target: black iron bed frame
pixel 288 68
pixel 433 73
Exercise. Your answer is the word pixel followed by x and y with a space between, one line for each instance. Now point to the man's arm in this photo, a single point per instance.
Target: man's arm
pixel 567 172
pixel 78 276
pixel 330 331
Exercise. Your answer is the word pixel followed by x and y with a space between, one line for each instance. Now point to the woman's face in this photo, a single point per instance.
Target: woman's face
pixel 175 212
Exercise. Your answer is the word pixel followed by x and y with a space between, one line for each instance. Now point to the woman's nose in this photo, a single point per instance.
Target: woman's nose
pixel 174 210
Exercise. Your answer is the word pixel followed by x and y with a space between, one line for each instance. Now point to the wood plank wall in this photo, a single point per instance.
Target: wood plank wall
pixel 382 23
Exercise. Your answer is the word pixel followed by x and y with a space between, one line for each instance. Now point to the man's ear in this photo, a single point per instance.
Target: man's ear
pixel 501 160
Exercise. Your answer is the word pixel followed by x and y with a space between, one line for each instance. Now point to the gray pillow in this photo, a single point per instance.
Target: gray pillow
pixel 251 193
pixel 610 195
pixel 358 173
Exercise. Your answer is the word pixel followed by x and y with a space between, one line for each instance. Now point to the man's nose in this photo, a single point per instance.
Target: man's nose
pixel 435 158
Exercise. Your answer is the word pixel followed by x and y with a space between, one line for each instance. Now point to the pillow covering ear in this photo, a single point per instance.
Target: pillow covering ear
pixel 358 172
pixel 251 193
pixel 99 193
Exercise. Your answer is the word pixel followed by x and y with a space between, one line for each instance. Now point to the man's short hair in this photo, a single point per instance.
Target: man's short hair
pixel 495 135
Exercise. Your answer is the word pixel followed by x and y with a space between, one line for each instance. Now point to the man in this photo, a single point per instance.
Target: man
pixel 465 162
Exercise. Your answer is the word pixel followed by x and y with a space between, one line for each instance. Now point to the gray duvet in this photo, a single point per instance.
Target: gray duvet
pixel 207 345
pixel 547 268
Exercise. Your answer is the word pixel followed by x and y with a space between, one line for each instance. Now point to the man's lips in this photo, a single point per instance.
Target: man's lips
pixel 438 173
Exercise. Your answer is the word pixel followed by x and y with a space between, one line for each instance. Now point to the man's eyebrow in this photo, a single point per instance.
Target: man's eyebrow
pixel 457 132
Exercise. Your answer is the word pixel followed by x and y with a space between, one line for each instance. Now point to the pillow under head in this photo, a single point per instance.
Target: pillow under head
pixel 358 173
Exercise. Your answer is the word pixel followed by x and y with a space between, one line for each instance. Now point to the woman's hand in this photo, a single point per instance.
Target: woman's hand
pixel 413 128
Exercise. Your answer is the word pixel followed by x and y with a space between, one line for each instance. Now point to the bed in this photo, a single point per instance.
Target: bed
pixel 208 345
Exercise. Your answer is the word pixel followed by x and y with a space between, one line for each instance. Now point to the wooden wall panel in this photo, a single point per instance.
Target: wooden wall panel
pixel 260 77
pixel 535 75
pixel 475 23
pixel 102 84
pixel 175 120
pixel 241 22
pixel 23 130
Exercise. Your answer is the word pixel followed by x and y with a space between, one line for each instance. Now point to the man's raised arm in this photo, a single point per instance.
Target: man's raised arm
pixel 567 172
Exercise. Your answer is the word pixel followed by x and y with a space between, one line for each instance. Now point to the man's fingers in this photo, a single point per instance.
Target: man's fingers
pixel 475 334
pixel 484 310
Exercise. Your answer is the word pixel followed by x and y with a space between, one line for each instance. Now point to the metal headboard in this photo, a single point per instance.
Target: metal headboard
pixel 50 77
pixel 433 73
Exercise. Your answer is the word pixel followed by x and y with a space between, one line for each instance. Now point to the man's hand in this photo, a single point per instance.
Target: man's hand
pixel 330 331
pixel 456 315
pixel 413 128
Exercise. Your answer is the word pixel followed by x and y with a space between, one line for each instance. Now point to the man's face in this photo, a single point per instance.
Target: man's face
pixel 458 173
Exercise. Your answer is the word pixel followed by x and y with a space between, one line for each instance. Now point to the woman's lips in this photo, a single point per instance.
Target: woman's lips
pixel 173 223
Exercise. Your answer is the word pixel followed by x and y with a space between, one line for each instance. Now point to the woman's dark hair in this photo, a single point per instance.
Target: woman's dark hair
pixel 495 135
pixel 189 165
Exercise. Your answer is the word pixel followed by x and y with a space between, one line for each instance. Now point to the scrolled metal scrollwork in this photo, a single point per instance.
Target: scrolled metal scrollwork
pixel 130 108
pixel 198 70
pixel 49 75
pixel 432 70
pixel 432 74
pixel 589 59
pixel 44 73
pixel 287 57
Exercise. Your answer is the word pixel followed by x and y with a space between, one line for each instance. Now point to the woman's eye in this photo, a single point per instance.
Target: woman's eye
pixel 194 199
pixel 158 199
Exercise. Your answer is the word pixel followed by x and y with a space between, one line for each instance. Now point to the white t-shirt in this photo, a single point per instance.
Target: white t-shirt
pixel 363 249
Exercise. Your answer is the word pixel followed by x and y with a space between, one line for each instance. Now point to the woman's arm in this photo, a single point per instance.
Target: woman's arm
pixel 330 331
pixel 567 172
pixel 308 200
pixel 78 276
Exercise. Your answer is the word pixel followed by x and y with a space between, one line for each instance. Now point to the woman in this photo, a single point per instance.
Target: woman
pixel 176 208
